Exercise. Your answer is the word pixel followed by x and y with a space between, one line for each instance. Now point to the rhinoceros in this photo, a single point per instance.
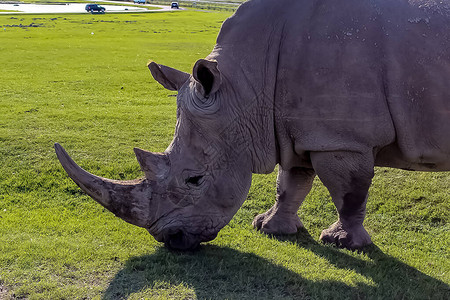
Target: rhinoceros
pixel 327 88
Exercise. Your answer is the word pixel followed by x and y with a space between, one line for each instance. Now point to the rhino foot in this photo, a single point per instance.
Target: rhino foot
pixel 275 223
pixel 349 237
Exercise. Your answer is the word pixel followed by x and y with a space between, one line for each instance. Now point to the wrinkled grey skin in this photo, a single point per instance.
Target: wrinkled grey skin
pixel 327 88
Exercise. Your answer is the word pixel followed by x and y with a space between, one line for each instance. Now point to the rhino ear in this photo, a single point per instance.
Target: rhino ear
pixel 207 74
pixel 169 78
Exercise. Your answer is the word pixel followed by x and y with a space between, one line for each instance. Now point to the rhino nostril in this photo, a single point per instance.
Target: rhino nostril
pixel 195 180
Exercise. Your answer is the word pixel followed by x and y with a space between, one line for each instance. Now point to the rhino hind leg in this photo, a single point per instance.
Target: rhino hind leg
pixel 292 187
pixel 347 176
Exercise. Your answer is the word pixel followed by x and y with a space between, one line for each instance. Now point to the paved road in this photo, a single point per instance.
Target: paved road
pixel 72 8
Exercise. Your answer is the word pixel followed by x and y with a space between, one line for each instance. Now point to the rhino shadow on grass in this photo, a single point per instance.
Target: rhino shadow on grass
pixel 225 273
pixel 393 278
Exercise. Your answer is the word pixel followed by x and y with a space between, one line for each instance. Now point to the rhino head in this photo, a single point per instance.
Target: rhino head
pixel 194 188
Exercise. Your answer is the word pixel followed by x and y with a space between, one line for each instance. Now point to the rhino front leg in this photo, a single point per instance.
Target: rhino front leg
pixel 292 187
pixel 347 176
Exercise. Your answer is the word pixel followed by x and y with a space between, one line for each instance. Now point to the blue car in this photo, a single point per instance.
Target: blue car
pixel 139 1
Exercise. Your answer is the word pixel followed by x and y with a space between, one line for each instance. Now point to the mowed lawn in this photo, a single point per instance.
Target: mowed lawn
pixel 82 81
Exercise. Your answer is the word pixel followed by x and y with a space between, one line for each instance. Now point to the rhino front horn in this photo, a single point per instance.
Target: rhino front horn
pixel 128 200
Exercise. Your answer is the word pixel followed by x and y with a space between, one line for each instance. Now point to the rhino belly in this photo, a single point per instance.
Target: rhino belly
pixel 392 156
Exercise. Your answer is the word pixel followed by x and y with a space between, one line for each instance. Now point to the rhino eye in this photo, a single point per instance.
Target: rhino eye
pixel 195 180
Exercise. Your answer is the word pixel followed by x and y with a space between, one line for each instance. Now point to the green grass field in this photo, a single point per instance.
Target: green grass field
pixel 82 81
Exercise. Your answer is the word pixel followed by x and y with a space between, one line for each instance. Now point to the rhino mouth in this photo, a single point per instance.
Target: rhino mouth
pixel 185 236
pixel 177 239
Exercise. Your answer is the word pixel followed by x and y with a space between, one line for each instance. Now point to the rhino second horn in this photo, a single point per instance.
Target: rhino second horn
pixel 154 165
pixel 128 200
